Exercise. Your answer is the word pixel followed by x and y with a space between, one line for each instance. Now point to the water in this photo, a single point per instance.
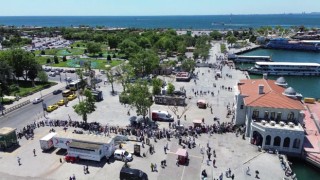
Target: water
pixel 303 170
pixel 307 86
pixel 176 22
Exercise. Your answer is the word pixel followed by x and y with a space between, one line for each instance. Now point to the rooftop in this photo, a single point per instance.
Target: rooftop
pixel 271 97
pixel 84 145
pixel 6 130
pixel 85 137
pixel 288 63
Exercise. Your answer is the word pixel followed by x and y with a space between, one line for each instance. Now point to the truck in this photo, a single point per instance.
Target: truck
pixel 46 143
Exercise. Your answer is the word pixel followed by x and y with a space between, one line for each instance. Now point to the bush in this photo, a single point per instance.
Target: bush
pixel 6 101
pixel 56 60
pixel 78 45
pixel 114 56
pixel 100 54
pixel 71 47
pixel 43 52
pixel 85 51
pixel 109 57
pixel 48 61
pixel 14 87
pixel 64 59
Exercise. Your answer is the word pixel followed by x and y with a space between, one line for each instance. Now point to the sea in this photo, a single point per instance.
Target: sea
pixel 221 22
pixel 307 86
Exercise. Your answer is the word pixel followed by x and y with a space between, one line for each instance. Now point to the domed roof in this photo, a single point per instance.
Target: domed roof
pixel 290 91
pixel 281 81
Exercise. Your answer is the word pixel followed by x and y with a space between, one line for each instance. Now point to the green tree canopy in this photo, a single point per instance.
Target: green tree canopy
pixel 129 48
pixel 144 62
pixel 170 88
pixel 188 65
pixel 93 48
pixel 156 86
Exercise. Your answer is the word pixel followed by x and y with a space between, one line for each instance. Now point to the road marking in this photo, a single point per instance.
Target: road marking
pixel 183 172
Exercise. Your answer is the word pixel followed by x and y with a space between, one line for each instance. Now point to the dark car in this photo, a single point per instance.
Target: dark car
pixel 179 93
pixel 132 174
pixel 58 91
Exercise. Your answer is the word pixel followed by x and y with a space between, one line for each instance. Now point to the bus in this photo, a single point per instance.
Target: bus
pixel 75 85
pixel 66 93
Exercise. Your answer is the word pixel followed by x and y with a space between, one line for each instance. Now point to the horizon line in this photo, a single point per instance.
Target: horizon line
pixel 304 13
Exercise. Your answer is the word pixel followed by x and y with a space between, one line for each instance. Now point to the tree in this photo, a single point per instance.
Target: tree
pixel 170 88
pixel 156 86
pixel 188 65
pixel 113 42
pixel 144 62
pixel 129 48
pixel 85 107
pixel 110 77
pixel 231 40
pixel 32 74
pixel 43 52
pixel 216 35
pixel 125 73
pixel 109 57
pixel 42 76
pixel 140 98
pixel 93 48
pixel 48 61
pixel 64 58
pixel 56 60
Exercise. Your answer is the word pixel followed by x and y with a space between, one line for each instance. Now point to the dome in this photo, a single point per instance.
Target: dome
pixel 281 81
pixel 290 92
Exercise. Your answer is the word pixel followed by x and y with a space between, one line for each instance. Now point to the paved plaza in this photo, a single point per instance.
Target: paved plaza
pixel 231 151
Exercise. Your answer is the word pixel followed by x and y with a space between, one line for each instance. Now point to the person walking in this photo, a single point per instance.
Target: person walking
pixel 84 170
pixel 87 169
pixel 34 152
pixel 155 167
pixel 214 162
pixel 152 166
pixel 232 176
pixel 248 171
pixel 165 149
pixel 19 160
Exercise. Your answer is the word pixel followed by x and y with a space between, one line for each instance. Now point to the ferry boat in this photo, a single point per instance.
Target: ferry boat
pixel 283 43
pixel 286 68
pixel 251 59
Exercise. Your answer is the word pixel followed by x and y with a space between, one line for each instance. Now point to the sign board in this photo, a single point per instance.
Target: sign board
pixel 136 149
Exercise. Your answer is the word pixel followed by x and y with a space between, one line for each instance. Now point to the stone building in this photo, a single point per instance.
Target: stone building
pixel 272 114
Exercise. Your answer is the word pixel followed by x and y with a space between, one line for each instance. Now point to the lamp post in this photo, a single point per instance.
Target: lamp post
pixel 1 105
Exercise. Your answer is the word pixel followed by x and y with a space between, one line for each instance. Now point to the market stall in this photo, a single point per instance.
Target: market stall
pixel 182 156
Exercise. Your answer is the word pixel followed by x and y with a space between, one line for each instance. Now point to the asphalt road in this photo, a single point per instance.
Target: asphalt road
pixel 29 113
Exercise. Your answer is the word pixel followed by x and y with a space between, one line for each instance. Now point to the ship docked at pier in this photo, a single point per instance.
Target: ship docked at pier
pixel 286 68
pixel 283 43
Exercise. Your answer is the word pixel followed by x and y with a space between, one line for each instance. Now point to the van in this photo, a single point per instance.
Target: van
pixel 122 155
pixel 66 93
pixel 132 174
pixel 161 116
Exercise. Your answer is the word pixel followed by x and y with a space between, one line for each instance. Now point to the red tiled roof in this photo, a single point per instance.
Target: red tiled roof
pixel 271 97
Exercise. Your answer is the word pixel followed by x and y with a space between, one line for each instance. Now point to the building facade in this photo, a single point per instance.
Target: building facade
pixel 272 114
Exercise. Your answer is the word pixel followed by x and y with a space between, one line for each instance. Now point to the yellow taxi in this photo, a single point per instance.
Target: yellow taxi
pixel 52 108
pixel 72 97
pixel 61 102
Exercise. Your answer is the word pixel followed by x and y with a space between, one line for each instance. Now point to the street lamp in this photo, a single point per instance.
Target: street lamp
pixel 1 104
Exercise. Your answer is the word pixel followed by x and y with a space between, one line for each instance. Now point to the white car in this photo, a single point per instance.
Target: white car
pixel 37 100
pixel 121 154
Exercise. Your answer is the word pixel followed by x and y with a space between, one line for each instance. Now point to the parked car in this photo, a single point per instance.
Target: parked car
pixel 103 72
pixel 53 74
pixel 132 174
pixel 121 154
pixel 68 79
pixel 61 102
pixel 72 71
pixel 58 91
pixel 52 107
pixel 72 97
pixel 37 100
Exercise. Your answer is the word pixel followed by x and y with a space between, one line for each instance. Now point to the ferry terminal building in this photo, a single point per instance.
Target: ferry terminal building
pixel 272 114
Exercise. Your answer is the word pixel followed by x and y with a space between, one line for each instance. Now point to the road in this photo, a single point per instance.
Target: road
pixel 29 113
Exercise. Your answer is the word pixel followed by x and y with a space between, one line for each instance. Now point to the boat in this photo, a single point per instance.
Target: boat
pixel 283 43
pixel 251 59
pixel 286 68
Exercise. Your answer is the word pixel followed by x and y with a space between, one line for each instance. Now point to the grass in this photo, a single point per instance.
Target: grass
pixel 74 51
pixel 26 88
pixel 223 48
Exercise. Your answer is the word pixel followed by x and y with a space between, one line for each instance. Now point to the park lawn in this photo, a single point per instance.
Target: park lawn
pixel 80 43
pixel 43 60
pixel 74 51
pixel 25 88
pixel 101 64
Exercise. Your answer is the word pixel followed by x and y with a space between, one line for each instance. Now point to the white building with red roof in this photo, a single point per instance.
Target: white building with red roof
pixel 272 114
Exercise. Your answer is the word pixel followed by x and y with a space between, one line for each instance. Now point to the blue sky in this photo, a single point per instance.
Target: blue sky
pixel 153 7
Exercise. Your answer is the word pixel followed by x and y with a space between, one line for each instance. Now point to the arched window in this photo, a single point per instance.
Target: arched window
pixel 268 140
pixel 277 141
pixel 286 142
pixel 266 115
pixel 296 143
pixel 273 115
pixel 279 116
pixel 290 116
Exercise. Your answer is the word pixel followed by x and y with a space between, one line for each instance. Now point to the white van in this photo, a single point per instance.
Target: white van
pixel 121 154
pixel 161 116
